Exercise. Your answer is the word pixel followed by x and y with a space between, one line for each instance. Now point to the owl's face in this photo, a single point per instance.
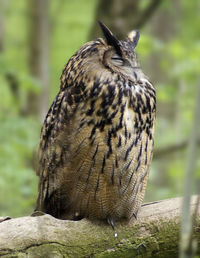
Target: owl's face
pixel 104 58
pixel 120 55
pixel 124 62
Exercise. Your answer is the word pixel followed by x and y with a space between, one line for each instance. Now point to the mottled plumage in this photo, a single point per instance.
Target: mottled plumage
pixel 97 138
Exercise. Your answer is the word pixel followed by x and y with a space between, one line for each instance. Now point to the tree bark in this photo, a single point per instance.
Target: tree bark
pixel 154 234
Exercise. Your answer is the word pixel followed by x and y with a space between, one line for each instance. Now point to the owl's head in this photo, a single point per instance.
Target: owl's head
pixel 119 55
pixel 104 58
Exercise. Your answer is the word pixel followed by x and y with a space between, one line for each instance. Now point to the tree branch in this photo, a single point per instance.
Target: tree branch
pixel 160 152
pixel 122 16
pixel 147 13
pixel 154 234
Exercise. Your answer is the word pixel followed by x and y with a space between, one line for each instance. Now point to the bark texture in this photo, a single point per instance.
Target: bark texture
pixel 154 234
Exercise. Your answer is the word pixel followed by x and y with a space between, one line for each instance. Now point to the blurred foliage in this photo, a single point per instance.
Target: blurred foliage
pixel 70 22
pixel 179 63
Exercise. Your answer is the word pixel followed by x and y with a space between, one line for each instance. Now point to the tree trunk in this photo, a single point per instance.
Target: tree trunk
pixel 154 234
pixel 38 55
pixel 164 27
pixel 3 4
pixel 186 222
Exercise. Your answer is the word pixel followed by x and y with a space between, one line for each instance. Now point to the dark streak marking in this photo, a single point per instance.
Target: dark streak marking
pixel 148 103
pixel 91 110
pixel 138 165
pixel 95 153
pixel 135 74
pixel 119 142
pixel 145 158
pixel 125 131
pixel 92 141
pixel 95 89
pixel 137 138
pixel 77 98
pixel 111 91
pixel 69 99
pixel 116 162
pixel 92 132
pixel 78 148
pixel 81 124
pixel 126 92
pixel 146 144
pixel 77 171
pixel 120 94
pixel 113 114
pixel 129 150
pixel 122 115
pixel 90 122
pixel 140 153
pixel 113 131
pixel 134 188
pixel 127 167
pixel 131 177
pixel 120 180
pixel 109 143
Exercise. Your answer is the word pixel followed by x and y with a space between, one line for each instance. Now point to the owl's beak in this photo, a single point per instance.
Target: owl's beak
pixel 110 38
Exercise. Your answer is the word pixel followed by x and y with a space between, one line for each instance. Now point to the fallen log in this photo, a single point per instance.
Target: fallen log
pixel 154 234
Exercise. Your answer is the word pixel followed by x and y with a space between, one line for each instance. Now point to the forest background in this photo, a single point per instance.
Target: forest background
pixel 37 37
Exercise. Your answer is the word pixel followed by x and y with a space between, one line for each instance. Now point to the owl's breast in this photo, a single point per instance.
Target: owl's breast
pixel 109 158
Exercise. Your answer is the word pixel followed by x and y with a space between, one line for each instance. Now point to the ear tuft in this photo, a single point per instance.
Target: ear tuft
pixel 134 36
pixel 110 38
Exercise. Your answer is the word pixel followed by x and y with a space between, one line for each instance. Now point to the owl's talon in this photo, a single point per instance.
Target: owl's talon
pixel 111 222
pixel 135 215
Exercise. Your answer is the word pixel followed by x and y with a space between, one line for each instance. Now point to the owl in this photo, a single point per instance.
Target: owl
pixel 97 138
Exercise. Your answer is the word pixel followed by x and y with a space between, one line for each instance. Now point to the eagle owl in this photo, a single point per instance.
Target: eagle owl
pixel 97 139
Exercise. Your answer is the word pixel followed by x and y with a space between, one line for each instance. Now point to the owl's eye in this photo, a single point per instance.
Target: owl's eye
pixel 117 60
